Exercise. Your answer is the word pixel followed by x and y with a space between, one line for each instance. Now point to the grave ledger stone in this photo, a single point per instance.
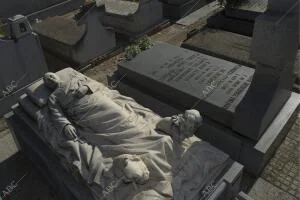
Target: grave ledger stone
pixel 214 86
pixel 77 40
pixel 22 61
pixel 132 19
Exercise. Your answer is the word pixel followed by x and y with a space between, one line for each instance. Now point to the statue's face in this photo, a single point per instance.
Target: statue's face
pixel 51 80
pixel 136 170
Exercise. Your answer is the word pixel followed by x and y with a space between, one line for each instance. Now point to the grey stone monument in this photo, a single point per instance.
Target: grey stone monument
pixel 176 9
pixel 22 61
pixel 38 9
pixel 251 107
pixel 132 18
pixel 277 31
pixel 79 39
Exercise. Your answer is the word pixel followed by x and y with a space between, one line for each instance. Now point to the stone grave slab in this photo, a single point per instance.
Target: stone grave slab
pixel 77 39
pixel 133 18
pixel 191 79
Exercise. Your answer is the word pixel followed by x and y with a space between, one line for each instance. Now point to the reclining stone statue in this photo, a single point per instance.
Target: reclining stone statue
pixel 79 106
pixel 116 148
pixel 74 95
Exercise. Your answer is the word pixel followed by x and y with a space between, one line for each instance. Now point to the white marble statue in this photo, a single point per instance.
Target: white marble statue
pixel 122 149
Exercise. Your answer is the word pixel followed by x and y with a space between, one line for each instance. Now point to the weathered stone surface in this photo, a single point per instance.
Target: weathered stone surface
pixel 61 29
pixel 226 45
pixel 79 40
pixel 148 14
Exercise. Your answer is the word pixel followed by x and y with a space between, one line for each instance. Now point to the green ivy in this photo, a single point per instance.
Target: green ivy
pixel 2 29
pixel 137 47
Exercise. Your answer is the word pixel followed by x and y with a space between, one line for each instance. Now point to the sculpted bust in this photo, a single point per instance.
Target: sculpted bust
pixel 181 126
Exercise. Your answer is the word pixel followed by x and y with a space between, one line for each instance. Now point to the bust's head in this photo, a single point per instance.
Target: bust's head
pixel 191 121
pixel 51 80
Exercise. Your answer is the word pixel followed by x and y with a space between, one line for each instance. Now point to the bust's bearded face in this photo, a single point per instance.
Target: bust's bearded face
pixel 191 122
pixel 51 80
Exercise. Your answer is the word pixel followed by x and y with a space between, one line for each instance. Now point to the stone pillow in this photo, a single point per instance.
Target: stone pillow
pixel 38 93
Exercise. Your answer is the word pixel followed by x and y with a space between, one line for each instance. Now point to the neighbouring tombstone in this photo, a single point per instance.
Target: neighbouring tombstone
pixel 22 61
pixel 239 18
pixel 250 109
pixel 222 44
pixel 38 9
pixel 79 39
pixel 176 9
pixel 132 18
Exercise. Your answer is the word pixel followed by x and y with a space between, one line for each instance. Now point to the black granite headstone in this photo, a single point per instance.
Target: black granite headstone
pixel 191 79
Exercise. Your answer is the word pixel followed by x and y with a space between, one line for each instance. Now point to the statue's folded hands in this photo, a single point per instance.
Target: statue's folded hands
pixel 70 132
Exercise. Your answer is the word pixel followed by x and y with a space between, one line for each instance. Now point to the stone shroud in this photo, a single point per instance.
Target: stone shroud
pixel 38 9
pixel 77 40
pixel 176 9
pixel 22 60
pixel 24 128
pixel 147 14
